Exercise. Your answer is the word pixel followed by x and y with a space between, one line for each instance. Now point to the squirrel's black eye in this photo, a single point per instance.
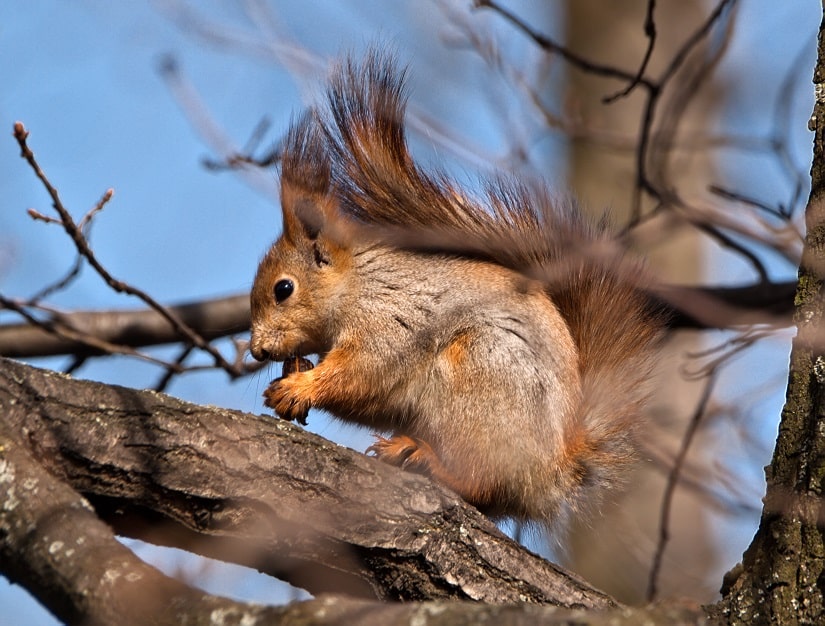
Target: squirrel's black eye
pixel 283 289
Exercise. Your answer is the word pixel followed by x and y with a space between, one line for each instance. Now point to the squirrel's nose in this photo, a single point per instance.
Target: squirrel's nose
pixel 261 354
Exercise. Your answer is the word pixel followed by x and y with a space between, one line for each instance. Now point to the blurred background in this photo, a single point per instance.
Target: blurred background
pixel 138 96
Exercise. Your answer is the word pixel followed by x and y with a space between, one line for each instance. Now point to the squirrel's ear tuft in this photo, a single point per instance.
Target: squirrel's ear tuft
pixel 305 179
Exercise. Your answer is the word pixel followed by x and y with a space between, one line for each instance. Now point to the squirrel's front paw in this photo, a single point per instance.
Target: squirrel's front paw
pixel 289 398
pixel 404 452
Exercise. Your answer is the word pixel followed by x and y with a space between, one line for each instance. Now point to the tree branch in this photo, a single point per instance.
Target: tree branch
pixel 52 542
pixel 782 576
pixel 135 328
pixel 264 493
pixel 717 307
pixel 82 245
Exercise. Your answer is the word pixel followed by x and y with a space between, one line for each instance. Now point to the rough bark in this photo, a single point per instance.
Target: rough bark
pixel 265 493
pixel 256 491
pixel 52 543
pixel 782 576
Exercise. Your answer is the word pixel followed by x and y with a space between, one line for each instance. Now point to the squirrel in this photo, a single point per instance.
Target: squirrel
pixel 502 344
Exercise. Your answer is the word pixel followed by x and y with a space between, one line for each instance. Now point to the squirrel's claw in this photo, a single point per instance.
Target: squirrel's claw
pixel 282 395
pixel 404 452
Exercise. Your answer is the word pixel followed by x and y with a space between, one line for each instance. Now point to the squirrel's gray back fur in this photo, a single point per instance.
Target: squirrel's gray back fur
pixel 353 153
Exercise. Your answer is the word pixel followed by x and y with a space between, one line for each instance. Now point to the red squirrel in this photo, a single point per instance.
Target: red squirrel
pixel 502 344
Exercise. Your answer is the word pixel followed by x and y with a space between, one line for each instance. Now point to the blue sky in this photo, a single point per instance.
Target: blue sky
pixel 83 78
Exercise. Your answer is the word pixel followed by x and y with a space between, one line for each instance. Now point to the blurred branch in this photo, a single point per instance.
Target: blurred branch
pixel 546 43
pixel 650 33
pixel 670 488
pixel 726 307
pixel 211 319
pixel 687 307
pixel 93 333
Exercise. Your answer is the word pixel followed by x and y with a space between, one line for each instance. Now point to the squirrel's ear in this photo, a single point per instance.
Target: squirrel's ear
pixel 304 216
pixel 310 225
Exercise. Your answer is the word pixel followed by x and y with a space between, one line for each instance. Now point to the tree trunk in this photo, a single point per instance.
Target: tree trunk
pixel 782 576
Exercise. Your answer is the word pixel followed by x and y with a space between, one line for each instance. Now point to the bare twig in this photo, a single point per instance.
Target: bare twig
pixel 74 271
pixel 650 33
pixel 780 211
pixel 74 232
pixel 202 120
pixel 670 487
pixel 643 181
pixel 547 44
pixel 60 284
pixel 725 352
pixel 172 372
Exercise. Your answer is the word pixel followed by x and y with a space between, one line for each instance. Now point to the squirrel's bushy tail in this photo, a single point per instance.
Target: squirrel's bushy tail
pixel 616 332
pixel 519 226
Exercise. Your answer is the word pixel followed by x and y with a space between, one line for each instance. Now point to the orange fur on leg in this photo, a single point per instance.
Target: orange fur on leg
pixel 418 456
pixel 291 396
pixel 406 453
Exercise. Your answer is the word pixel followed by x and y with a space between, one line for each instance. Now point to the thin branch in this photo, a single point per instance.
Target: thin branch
pixel 720 491
pixel 724 352
pixel 698 35
pixel 646 143
pixel 670 488
pixel 60 284
pixel 681 94
pixel 650 33
pixel 212 319
pixel 85 344
pixel 170 373
pixel 547 44
pixel 86 220
pixel 728 242
pixel 74 271
pixel 21 134
pixel 655 91
pixel 209 129
pixel 779 212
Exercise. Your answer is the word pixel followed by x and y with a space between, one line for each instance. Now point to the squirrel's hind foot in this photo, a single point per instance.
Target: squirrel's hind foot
pixel 405 452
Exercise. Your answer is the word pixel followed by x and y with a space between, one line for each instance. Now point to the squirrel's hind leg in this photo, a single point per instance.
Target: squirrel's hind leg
pixel 405 452
pixel 416 455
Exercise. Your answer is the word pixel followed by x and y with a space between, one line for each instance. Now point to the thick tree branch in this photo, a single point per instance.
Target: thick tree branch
pixel 782 576
pixel 264 493
pixel 255 491
pixel 52 542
